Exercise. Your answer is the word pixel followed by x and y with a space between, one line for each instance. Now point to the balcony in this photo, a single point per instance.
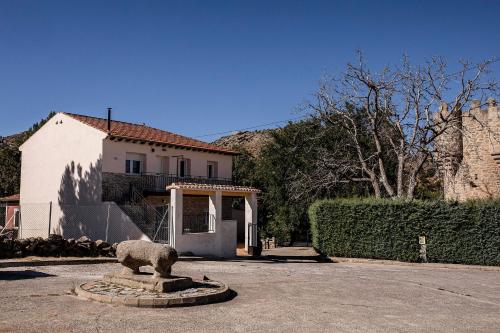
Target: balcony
pixel 117 186
pixel 157 182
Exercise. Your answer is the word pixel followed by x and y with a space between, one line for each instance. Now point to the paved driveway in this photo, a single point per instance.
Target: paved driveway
pixel 278 294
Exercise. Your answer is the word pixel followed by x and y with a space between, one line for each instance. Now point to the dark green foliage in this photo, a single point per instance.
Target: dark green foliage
pixel 10 170
pixel 10 158
pixel 467 233
pixel 299 149
pixel 293 148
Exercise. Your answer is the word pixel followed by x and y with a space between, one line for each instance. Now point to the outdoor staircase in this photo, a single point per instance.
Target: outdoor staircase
pixel 152 221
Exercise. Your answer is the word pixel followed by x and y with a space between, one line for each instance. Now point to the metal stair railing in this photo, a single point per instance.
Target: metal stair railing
pixel 145 215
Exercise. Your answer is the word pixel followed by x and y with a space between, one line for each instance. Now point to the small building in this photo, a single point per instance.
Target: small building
pixel 114 180
pixel 9 215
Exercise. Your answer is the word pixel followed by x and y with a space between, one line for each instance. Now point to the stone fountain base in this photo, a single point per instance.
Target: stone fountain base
pixel 135 290
pixel 145 281
pixel 132 288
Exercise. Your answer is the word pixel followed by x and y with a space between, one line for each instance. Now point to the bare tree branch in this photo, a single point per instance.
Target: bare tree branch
pixel 400 111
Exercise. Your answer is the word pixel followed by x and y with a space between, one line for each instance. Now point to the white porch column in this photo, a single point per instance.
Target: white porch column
pixel 250 218
pixel 175 220
pixel 215 209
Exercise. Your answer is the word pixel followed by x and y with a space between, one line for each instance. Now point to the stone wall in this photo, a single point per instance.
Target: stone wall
pixel 195 205
pixel 115 185
pixel 227 208
pixel 475 174
pixel 158 200
pixel 55 246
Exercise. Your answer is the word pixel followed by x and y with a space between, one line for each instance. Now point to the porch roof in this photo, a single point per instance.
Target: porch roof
pixel 213 187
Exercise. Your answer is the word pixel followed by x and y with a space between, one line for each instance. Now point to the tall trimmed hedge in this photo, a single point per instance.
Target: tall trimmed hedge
pixel 467 233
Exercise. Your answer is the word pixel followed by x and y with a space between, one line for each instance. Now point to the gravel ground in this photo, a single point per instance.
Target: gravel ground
pixel 287 292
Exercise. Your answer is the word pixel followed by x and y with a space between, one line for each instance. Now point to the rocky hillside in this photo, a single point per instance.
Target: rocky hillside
pixel 251 141
pixel 13 141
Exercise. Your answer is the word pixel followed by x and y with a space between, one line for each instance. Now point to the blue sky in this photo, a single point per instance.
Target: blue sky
pixel 198 67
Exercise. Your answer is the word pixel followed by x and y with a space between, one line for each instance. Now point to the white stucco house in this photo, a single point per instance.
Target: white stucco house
pixel 113 180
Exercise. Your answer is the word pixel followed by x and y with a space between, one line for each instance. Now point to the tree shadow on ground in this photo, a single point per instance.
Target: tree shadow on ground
pixel 22 275
pixel 283 259
pixel 266 259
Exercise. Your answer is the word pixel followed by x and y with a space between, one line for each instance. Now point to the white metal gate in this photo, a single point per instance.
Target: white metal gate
pixel 162 225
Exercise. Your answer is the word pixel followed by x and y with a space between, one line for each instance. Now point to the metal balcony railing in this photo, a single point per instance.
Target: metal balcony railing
pixel 157 182
pixel 117 186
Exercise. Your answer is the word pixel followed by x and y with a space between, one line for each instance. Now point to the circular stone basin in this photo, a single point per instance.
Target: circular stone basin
pixel 202 292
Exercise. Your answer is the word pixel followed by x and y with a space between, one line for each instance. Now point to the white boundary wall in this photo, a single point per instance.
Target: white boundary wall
pixel 221 243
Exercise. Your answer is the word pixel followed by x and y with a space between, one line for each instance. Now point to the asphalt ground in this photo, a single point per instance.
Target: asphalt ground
pixel 288 290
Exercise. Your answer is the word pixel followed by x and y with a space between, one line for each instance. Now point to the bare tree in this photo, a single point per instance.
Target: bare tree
pixel 403 111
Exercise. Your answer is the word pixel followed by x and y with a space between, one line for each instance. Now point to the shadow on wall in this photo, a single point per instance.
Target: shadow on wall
pixel 80 210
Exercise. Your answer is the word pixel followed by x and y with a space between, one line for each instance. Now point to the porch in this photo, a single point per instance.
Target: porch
pixel 207 233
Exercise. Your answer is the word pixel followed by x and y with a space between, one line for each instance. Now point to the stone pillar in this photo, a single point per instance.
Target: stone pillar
pixel 175 220
pixel 250 218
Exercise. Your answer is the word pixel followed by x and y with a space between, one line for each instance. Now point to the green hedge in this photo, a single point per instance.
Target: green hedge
pixel 467 233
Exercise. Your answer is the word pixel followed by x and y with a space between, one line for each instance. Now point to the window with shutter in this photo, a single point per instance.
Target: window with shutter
pixel 182 168
pixel 188 167
pixel 134 163
pixel 164 165
pixel 212 169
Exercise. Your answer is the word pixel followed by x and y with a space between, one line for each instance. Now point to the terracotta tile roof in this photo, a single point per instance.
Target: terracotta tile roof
pixel 212 187
pixel 14 197
pixel 120 129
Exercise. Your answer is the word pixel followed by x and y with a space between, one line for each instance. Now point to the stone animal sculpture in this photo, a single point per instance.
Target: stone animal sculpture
pixel 135 253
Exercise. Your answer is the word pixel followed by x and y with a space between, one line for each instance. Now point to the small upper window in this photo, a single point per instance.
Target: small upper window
pixel 134 164
pixel 212 169
pixel 184 167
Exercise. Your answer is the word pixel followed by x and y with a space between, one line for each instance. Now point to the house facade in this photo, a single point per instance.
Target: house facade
pixel 115 181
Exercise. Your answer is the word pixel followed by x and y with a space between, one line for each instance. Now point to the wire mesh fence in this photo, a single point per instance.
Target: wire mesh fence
pixel 34 220
pixel 106 221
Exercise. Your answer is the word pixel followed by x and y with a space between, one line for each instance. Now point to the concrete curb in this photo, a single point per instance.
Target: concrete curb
pixel 40 261
pixel 414 264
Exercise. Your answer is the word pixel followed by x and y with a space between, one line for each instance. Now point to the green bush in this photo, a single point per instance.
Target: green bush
pixel 467 233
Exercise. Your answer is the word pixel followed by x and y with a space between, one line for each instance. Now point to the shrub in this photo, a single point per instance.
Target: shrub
pixel 467 233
